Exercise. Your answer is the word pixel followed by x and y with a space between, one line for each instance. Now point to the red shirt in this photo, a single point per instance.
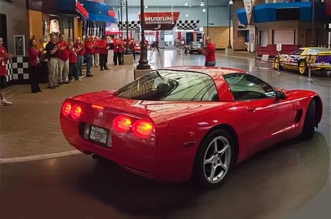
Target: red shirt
pixel 3 63
pixel 63 54
pixel 72 56
pixel 89 50
pixel 97 47
pixel 210 53
pixel 103 47
pixel 33 56
pixel 78 46
pixel 118 46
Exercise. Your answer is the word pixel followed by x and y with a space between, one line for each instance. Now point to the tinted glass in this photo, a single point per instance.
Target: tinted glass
pixel 298 52
pixel 248 87
pixel 166 85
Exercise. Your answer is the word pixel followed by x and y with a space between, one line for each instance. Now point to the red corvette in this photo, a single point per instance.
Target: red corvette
pixel 184 123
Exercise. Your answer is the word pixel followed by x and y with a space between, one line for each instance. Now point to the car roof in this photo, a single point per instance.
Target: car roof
pixel 212 71
pixel 316 48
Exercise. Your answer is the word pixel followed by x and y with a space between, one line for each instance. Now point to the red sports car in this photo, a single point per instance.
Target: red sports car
pixel 183 123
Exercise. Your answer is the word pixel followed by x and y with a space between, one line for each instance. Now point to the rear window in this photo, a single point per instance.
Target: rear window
pixel 167 85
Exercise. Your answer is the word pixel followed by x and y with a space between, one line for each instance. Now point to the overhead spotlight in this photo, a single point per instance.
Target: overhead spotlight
pixel 146 6
pixel 202 4
pixel 204 10
pixel 186 15
pixel 186 4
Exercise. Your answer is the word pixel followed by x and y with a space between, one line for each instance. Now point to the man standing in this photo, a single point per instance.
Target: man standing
pixel 79 48
pixel 103 51
pixel 89 51
pixel 63 61
pixel 209 52
pixel 51 51
pixel 4 56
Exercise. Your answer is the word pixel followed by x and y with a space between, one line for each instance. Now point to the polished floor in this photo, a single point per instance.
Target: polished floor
pixel 287 181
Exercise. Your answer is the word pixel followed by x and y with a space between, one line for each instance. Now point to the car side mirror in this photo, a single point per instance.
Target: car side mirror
pixel 281 95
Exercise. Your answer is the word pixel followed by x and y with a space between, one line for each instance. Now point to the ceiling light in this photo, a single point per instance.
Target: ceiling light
pixel 146 6
pixel 204 10
pixel 186 4
pixel 230 2
pixel 186 15
pixel 202 4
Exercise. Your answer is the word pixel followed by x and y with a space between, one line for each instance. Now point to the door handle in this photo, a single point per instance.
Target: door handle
pixel 250 109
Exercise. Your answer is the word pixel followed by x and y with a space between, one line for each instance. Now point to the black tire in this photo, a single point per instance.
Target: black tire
pixel 198 173
pixel 308 130
pixel 280 67
pixel 304 63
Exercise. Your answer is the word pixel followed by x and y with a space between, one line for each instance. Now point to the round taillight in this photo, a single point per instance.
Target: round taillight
pixel 66 109
pixel 142 128
pixel 76 112
pixel 122 124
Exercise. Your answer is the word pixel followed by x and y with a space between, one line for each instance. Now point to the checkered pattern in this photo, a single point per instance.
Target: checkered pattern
pixel 187 24
pixel 18 69
pixel 133 25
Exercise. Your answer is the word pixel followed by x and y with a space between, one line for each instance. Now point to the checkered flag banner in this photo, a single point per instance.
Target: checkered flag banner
pixel 133 25
pixel 187 24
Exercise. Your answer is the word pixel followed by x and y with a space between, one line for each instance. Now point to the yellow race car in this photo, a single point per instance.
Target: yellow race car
pixel 318 57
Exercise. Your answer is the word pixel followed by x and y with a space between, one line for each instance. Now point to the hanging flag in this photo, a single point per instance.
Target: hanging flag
pixel 249 4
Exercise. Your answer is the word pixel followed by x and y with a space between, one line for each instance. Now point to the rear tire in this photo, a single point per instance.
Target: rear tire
pixel 214 159
pixel 276 63
pixel 308 130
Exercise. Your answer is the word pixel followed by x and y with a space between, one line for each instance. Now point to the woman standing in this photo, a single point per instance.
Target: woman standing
pixel 34 65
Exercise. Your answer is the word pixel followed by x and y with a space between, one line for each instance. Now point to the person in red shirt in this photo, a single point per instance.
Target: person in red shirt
pixel 118 51
pixel 103 51
pixel 34 65
pixel 63 61
pixel 79 47
pixel 73 60
pixel 89 52
pixel 133 48
pixel 4 57
pixel 96 52
pixel 209 52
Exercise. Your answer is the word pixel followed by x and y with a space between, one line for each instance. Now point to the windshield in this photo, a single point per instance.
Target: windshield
pixel 167 85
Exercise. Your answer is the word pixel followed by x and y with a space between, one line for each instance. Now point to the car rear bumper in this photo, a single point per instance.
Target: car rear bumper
pixel 135 155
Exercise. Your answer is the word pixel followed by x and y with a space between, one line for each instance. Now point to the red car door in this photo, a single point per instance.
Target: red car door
pixel 268 120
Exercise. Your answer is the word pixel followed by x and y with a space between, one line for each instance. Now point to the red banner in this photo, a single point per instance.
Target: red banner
pixel 160 20
pixel 80 8
pixel 111 13
pixel 328 7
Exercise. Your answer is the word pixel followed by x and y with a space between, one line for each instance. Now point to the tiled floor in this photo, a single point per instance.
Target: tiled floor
pixel 290 181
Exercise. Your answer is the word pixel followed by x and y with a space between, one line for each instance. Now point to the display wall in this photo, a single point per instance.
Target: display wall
pixel 218 15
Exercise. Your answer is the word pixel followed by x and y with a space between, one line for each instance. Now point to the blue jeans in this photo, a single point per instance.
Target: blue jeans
pixel 89 59
pixel 210 63
pixel 80 65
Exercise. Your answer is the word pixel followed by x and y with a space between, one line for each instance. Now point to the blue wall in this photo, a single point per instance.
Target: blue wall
pixel 98 11
pixel 267 12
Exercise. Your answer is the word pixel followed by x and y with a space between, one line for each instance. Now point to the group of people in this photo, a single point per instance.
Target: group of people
pixel 65 59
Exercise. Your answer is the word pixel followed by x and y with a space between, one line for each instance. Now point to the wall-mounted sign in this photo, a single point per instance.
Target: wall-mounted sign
pixel 80 8
pixel 248 5
pixel 160 20
pixel 111 13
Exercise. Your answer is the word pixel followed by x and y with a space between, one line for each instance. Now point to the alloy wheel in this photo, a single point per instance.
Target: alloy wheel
pixel 217 159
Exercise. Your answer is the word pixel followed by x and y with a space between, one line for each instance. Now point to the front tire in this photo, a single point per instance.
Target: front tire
pixel 308 130
pixel 214 159
pixel 302 67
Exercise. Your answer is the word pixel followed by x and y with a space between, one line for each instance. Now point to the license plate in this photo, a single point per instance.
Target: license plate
pixel 99 134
